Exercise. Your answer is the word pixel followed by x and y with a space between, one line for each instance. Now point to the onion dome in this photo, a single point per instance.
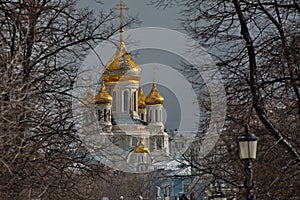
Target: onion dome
pixel 141 148
pixel 121 67
pixel 89 98
pixel 141 99
pixel 154 97
pixel 103 97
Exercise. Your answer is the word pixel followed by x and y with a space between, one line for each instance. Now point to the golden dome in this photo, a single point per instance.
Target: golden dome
pixel 141 99
pixel 154 97
pixel 103 97
pixel 88 99
pixel 141 148
pixel 121 67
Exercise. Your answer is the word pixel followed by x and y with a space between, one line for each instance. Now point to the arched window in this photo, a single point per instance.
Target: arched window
pixel 150 115
pixel 142 116
pixel 160 116
pixel 134 141
pixel 114 106
pixel 134 101
pixel 125 101
pixel 156 116
pixel 108 115
pixel 105 115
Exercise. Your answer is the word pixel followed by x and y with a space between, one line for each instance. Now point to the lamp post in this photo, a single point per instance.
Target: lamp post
pixel 218 196
pixel 247 150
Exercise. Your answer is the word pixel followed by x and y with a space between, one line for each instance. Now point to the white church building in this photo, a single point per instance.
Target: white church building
pixel 126 117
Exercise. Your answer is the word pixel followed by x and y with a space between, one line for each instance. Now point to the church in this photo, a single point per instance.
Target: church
pixel 133 121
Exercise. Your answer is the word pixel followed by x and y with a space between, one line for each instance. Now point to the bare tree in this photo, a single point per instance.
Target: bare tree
pixel 42 45
pixel 256 46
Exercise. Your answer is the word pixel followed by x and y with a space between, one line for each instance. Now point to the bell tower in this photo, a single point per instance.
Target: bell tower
pixel 154 105
pixel 103 102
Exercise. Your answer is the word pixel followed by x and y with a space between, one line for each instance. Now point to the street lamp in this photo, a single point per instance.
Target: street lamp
pixel 247 149
pixel 218 196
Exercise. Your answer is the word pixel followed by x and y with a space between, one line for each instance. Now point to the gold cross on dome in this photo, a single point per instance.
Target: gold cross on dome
pixel 154 73
pixel 121 6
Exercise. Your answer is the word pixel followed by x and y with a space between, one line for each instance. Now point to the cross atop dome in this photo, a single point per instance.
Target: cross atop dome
pixel 154 73
pixel 121 6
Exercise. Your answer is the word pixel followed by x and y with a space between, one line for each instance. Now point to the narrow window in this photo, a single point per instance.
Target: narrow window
pixel 156 115
pixel 150 115
pixel 105 115
pixel 134 101
pixel 160 115
pixel 142 116
pixel 125 101
pixel 114 107
pixel 108 115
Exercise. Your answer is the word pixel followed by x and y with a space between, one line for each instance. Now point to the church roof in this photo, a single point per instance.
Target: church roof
pixel 154 97
pixel 121 67
pixel 128 121
pixel 141 148
pixel 141 99
pixel 103 97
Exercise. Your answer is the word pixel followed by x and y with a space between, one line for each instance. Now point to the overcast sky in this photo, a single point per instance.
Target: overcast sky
pixel 149 16
pixel 165 18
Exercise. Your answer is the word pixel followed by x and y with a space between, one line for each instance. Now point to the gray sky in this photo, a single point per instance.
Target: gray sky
pixel 149 16
pixel 168 18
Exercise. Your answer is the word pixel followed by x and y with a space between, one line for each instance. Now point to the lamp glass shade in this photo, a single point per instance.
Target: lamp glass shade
pixel 247 149
pixel 247 144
